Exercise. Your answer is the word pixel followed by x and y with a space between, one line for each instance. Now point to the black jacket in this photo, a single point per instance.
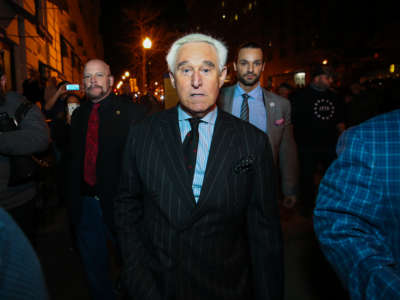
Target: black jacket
pixel 228 245
pixel 116 115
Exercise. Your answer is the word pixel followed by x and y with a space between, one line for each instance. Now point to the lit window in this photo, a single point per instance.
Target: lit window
pixel 250 6
pixel 300 79
pixel 236 17
pixel 223 3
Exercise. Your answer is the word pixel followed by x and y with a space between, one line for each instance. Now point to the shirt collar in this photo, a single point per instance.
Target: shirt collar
pixel 255 93
pixel 103 103
pixel 208 118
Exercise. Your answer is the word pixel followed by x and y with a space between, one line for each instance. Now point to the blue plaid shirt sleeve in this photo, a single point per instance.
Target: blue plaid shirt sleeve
pixel 354 216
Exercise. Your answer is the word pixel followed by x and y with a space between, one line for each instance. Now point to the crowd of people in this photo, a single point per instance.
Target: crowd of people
pixel 190 197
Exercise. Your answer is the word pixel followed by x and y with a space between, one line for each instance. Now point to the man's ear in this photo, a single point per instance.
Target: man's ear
pixel 111 80
pixel 222 76
pixel 171 76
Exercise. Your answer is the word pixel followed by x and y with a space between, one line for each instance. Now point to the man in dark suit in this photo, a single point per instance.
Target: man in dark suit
pixel 196 214
pixel 99 128
pixel 265 110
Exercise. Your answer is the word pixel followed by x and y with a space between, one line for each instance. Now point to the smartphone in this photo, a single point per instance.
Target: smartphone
pixel 72 87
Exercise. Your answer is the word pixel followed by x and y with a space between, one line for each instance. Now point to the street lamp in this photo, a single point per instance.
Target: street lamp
pixel 146 45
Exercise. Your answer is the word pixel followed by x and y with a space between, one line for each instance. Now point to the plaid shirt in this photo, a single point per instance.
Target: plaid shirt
pixel 357 215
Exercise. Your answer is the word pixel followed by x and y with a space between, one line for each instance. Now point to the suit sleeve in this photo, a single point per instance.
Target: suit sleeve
pixel 350 219
pixel 288 157
pixel 128 211
pixel 264 229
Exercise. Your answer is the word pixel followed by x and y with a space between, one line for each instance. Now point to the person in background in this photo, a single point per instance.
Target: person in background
pixel 268 112
pixel 30 136
pixel 318 120
pixel 99 128
pixel 33 88
pixel 284 90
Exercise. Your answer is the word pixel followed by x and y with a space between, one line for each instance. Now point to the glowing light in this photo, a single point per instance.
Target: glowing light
pixel 392 68
pixel 223 16
pixel 147 43
pixel 123 77
pixel 127 74
pixel 325 62
pixel 236 17
pixel 300 79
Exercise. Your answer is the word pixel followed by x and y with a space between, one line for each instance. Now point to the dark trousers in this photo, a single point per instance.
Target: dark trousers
pixel 91 240
pixel 313 165
pixel 25 216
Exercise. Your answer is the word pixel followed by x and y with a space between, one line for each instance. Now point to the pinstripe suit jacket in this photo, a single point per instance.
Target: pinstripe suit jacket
pixel 228 245
pixel 280 133
pixel 357 216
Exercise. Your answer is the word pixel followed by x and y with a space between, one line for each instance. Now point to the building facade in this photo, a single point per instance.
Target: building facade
pixel 50 38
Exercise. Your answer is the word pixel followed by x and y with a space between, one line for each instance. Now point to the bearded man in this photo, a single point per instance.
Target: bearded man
pixel 99 128
pixel 267 111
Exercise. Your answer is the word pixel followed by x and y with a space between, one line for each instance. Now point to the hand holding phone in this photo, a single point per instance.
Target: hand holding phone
pixel 72 87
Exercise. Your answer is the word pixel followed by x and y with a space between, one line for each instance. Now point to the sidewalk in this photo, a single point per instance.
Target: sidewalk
pixel 61 264
pixel 307 275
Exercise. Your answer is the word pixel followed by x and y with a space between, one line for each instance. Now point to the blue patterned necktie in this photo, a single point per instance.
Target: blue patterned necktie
pixel 244 109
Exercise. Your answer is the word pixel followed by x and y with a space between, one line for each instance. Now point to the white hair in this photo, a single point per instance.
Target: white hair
pixel 222 50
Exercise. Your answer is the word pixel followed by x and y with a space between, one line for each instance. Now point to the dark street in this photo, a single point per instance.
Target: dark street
pixel 307 274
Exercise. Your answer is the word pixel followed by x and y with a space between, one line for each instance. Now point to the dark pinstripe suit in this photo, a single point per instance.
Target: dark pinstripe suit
pixel 228 246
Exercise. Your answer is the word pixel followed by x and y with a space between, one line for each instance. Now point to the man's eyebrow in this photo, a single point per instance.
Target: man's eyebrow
pixel 209 63
pixel 181 64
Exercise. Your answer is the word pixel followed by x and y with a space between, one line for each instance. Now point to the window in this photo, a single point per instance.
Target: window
pixel 41 16
pixel 63 47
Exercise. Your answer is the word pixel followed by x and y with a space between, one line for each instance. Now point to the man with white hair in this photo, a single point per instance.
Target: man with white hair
pixel 195 214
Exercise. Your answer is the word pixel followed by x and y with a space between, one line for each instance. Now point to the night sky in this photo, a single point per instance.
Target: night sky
pixel 355 18
pixel 113 29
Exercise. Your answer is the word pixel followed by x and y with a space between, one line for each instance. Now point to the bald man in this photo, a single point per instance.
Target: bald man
pixel 99 128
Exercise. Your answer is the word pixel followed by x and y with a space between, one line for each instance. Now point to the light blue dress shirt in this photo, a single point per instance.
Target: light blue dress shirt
pixel 257 112
pixel 206 130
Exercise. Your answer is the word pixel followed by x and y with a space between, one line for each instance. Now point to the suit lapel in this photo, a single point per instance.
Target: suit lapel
pixel 171 151
pixel 227 99
pixel 270 108
pixel 218 158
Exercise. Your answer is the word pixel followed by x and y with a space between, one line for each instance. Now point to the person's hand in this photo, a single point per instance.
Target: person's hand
pixel 61 90
pixel 289 201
